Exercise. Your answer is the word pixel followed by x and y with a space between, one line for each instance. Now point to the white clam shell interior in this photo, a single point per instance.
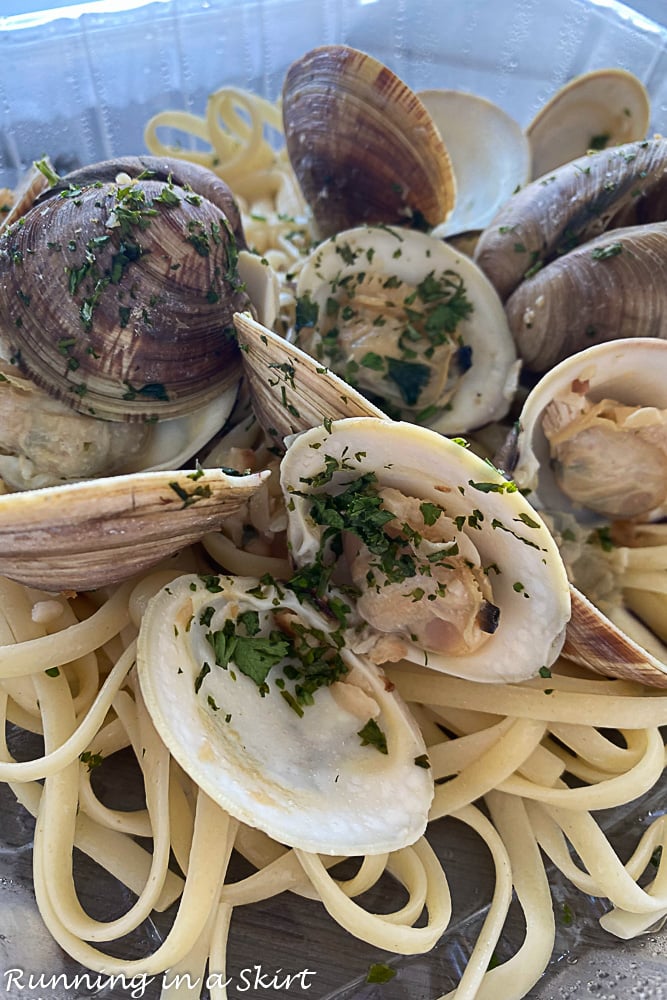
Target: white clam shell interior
pixel 489 151
pixel 305 780
pixel 486 389
pixel 530 587
pixel 631 371
pixel 605 107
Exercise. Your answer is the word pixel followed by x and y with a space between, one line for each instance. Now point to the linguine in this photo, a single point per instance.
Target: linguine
pixel 525 767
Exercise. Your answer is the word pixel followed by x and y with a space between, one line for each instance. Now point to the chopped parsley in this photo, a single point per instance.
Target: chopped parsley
pixel 372 735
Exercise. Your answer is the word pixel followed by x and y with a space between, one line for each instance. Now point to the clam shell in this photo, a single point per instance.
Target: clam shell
pixel 305 777
pixel 633 372
pixel 90 534
pixel 606 107
pixel 576 202
pixel 475 129
pixel 466 367
pixel 123 316
pixel 480 510
pixel 611 288
pixel 594 641
pixel 290 391
pixel 31 185
pixel 181 173
pixel 362 144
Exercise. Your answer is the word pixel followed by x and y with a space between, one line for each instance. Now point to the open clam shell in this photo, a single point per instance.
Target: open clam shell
pixel 290 390
pixel 328 761
pixel 606 107
pixel 361 143
pixel 594 641
pixel 626 474
pixel 90 534
pixel 412 323
pixel 467 579
pixel 473 129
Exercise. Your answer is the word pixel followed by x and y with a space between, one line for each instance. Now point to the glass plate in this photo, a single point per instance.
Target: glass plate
pixel 79 85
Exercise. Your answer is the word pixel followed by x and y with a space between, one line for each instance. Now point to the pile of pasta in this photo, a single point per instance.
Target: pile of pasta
pixel 524 766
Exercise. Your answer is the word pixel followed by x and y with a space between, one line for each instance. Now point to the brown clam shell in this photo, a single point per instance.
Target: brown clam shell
pixel 289 390
pixel 90 534
pixel 121 304
pixel 362 144
pixel 155 168
pixel 623 186
pixel 612 287
pixel 593 641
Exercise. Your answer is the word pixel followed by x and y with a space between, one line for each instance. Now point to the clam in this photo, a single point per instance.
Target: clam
pixel 471 127
pixel 118 297
pixel 451 566
pixel 117 355
pixel 91 534
pixel 290 390
pixel 603 108
pixel 362 144
pixel 609 288
pixel 411 323
pixel 593 433
pixel 277 721
pixel 623 186
pixel 592 445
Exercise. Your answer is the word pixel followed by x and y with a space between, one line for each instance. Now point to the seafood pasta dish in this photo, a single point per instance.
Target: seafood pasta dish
pixel 332 527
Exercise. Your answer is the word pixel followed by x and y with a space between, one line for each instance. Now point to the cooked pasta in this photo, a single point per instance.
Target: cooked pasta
pixel 523 766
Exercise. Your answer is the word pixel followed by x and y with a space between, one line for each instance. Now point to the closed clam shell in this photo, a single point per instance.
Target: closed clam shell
pixel 574 203
pixel 181 173
pixel 362 144
pixel 118 298
pixel 612 287
pixel 606 107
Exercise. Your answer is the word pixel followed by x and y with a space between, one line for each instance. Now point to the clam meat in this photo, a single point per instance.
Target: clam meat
pixel 411 323
pixel 450 565
pixel 592 451
pixel 593 433
pixel 259 701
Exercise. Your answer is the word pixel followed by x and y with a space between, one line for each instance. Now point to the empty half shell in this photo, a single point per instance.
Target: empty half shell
pixel 362 144
pixel 593 433
pixel 451 565
pixel 282 726
pixel 411 323
pixel 489 151
pixel 606 107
